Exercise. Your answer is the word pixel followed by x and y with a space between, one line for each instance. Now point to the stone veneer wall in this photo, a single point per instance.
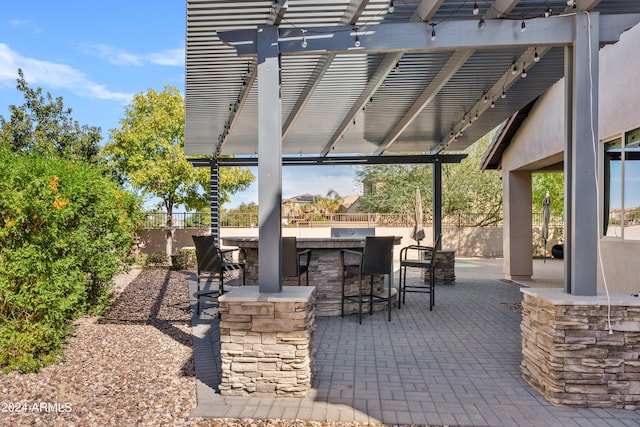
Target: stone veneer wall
pixel 569 355
pixel 266 342
pixel 445 268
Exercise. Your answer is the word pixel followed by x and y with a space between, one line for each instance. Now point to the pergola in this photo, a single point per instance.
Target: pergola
pixel 362 81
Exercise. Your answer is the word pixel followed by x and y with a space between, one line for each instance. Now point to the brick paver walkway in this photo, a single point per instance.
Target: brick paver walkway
pixel 456 365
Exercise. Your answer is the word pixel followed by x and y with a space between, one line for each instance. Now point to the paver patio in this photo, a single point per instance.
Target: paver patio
pixel 456 365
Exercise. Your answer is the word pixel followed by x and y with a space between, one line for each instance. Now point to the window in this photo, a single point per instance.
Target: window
pixel 622 186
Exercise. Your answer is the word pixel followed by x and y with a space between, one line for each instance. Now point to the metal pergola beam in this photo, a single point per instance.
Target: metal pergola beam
pixel 417 37
pixel 333 161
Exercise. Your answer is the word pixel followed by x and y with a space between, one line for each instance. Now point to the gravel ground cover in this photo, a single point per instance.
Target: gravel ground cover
pixel 131 367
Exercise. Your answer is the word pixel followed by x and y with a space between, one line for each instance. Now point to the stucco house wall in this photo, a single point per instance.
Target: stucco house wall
pixel 539 143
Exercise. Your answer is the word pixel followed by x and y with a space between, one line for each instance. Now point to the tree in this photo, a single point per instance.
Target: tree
pixel 471 191
pixel 328 204
pixel 465 188
pixel 148 150
pixel 554 184
pixel 43 126
pixel 391 188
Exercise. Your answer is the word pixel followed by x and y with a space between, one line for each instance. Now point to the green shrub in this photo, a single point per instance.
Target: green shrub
pixel 156 259
pixel 65 229
pixel 184 259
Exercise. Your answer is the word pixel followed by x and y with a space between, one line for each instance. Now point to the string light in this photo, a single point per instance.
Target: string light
pixel 433 32
pixel 476 9
pixel 536 57
pixel 523 26
pixel 524 70
pixel 485 99
pixel 514 69
pixel 493 104
pixel 391 7
pixel 304 39
pixel 547 13
pixel 481 23
pixel 504 94
pixel 357 41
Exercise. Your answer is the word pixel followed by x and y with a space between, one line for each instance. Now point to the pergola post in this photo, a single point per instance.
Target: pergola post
pixel 269 161
pixel 437 200
pixel 214 200
pixel 581 147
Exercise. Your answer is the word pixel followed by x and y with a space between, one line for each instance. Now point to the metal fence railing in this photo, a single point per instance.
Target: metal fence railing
pixel 247 220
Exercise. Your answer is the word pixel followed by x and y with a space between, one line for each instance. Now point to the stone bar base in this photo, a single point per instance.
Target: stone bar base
pixel 445 269
pixel 266 342
pixel 568 354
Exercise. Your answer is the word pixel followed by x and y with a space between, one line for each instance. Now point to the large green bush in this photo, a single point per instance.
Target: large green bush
pixel 65 229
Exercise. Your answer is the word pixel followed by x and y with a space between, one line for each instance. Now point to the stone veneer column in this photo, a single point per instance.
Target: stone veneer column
pixel 568 354
pixel 266 342
pixel 445 268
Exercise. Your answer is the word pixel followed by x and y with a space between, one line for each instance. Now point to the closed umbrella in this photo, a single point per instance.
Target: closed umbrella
pixel 546 216
pixel 417 233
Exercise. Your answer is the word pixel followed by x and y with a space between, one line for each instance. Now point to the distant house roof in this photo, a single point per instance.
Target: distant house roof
pixel 493 156
pixel 349 200
pixel 301 198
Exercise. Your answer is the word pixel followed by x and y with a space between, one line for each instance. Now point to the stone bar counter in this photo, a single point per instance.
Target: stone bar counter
pixel 325 270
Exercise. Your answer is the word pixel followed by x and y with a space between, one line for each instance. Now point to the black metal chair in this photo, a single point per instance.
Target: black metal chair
pixel 423 257
pixel 375 259
pixel 213 260
pixel 294 262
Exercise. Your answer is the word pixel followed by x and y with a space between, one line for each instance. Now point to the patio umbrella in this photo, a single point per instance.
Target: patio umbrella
pixel 546 216
pixel 417 233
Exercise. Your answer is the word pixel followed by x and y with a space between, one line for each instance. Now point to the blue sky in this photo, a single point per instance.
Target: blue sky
pixel 96 55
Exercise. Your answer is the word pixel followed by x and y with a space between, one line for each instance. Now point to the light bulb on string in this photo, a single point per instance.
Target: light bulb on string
pixel 523 26
pixel 476 9
pixel 547 13
pixel 524 71
pixel 481 23
pixel 304 39
pixel 357 41
pixel 536 57
pixel 514 69
pixel 433 32
pixel 504 94
pixel 493 104
pixel 391 7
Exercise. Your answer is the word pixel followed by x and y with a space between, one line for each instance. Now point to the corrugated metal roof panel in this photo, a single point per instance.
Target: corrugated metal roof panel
pixel 321 92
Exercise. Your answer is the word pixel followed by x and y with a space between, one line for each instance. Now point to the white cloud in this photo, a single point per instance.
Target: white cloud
pixel 116 56
pixel 18 22
pixel 172 57
pixel 15 23
pixel 52 75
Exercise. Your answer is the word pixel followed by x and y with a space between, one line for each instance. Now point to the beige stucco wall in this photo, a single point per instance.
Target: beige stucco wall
pixel 471 242
pixel 540 141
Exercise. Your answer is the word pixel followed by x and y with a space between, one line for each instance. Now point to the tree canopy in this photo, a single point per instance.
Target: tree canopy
pixel 44 126
pixel 148 150
pixel 465 188
pixel 554 184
